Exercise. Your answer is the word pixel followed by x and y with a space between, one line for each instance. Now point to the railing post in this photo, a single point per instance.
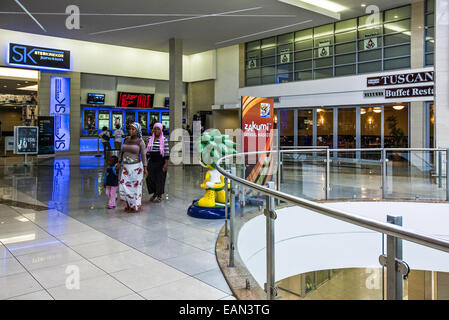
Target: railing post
pixel 270 215
pixel 384 172
pixel 440 169
pixel 226 203
pixel 328 167
pixel 447 174
pixel 397 270
pixel 278 177
pixel 232 222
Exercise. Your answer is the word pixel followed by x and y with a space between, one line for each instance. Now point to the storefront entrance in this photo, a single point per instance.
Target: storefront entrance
pixel 351 127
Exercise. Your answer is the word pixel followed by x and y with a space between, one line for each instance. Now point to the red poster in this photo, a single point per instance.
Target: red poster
pixel 257 130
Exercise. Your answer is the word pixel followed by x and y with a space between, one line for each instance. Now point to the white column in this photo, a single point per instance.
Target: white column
pixel 176 86
pixel 442 73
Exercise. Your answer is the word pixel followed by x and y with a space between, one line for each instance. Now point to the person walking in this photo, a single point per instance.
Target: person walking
pixel 105 136
pixel 111 181
pixel 158 155
pixel 134 160
pixel 118 134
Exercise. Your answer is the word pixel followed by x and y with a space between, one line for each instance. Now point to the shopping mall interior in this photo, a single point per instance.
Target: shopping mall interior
pixel 240 150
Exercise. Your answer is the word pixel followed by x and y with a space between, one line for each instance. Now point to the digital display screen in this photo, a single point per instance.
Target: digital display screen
pixel 94 98
pixel 135 100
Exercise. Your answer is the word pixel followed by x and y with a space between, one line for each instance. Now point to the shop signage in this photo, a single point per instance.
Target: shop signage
pixel 38 57
pixel 135 100
pixel 26 140
pixel 60 109
pixel 403 78
pixel 409 92
pixel 373 93
pixel 46 135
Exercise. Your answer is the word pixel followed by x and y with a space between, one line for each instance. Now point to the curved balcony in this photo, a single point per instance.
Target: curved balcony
pixel 337 224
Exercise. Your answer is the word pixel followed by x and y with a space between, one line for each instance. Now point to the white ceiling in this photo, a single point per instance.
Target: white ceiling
pixel 198 33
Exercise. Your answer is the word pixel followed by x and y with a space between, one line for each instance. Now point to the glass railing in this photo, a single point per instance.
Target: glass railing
pixel 293 231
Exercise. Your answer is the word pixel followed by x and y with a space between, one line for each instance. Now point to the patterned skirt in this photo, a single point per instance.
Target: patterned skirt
pixel 130 185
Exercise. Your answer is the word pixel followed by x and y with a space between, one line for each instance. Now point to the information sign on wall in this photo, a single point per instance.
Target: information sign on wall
pixel 323 50
pixel 285 56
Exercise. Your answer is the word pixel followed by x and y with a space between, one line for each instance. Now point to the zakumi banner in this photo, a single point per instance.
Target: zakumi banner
pixel 258 135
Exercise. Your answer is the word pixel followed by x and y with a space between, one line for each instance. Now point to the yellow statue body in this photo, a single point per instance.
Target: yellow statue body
pixel 214 185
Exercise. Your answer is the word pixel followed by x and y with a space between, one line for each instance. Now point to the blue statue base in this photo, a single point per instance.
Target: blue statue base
pixel 217 212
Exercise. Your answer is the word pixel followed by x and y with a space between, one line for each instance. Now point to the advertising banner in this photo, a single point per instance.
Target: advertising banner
pixel 258 135
pixel 60 109
pixel 46 135
pixel 26 140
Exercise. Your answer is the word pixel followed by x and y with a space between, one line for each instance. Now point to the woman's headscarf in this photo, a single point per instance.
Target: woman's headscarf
pixel 161 139
pixel 138 128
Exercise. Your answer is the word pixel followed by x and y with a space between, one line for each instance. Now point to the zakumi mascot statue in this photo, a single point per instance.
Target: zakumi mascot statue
pixel 212 146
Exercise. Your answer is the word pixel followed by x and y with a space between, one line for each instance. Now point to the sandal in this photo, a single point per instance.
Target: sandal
pixel 152 198
pixel 158 199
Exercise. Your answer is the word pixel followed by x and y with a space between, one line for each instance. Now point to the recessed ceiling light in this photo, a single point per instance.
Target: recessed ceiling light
pixel 29 88
pixel 363 5
pixel 396 17
pixel 398 107
pixel 324 7
pixel 326 4
pixel 377 109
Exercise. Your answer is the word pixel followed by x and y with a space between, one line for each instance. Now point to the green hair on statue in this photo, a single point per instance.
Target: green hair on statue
pixel 212 145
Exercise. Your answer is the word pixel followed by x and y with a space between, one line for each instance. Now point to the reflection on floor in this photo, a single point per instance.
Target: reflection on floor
pixel 159 253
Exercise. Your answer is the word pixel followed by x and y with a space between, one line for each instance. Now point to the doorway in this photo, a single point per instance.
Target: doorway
pixel 18 103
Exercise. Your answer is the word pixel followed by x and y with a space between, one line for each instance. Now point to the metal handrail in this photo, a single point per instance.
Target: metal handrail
pixel 371 224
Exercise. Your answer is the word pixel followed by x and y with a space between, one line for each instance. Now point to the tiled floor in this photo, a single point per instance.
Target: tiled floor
pixel 78 249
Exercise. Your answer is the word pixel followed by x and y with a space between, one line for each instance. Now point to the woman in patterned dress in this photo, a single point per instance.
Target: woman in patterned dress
pixel 133 156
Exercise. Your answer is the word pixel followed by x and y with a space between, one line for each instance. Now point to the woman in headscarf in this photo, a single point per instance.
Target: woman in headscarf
pixel 134 160
pixel 158 155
